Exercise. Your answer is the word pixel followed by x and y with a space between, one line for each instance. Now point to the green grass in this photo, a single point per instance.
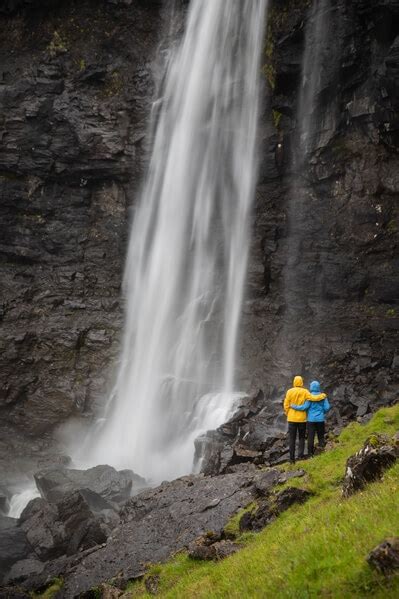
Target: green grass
pixel 55 586
pixel 313 550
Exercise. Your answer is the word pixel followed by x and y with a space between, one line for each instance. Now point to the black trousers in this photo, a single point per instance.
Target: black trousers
pixel 313 428
pixel 293 429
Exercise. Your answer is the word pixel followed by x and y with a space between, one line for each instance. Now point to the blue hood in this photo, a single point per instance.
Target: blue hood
pixel 315 387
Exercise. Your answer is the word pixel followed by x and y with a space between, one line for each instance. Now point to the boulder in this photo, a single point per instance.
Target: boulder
pixel 14 545
pixel 80 521
pixel 385 557
pixel 82 528
pixel 24 568
pixel 107 482
pixel 258 519
pixel 286 498
pixel 368 464
pixel 39 521
pixel 270 508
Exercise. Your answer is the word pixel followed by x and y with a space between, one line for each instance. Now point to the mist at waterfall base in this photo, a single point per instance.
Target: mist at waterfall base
pixel 187 258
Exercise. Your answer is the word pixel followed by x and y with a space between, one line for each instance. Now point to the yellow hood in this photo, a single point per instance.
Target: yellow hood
pixel 298 381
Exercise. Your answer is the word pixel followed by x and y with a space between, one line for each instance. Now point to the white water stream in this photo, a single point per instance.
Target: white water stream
pixel 187 259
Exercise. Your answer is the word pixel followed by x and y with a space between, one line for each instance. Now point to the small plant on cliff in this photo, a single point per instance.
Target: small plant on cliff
pixel 57 45
pixel 276 118
pixel 114 85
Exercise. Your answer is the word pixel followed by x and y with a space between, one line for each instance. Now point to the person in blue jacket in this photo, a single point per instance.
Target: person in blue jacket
pixel 316 411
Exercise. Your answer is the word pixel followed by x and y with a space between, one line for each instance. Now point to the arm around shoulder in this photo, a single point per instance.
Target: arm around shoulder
pixel 303 407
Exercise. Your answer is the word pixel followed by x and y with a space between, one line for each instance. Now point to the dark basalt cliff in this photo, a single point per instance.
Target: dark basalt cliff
pixel 324 273
pixel 76 82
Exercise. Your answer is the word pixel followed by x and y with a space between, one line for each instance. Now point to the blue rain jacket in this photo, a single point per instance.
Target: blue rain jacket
pixel 316 409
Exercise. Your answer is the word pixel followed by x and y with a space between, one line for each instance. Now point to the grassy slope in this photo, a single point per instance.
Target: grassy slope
pixel 314 550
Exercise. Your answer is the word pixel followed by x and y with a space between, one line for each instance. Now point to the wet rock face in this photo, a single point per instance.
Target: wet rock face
pixel 249 437
pixel 323 276
pixel 74 93
pixel 75 523
pixel 14 545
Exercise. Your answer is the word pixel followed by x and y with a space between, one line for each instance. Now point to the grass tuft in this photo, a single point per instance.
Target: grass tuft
pixel 54 587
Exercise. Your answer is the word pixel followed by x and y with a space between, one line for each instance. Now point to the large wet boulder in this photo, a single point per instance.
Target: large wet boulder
pixel 39 521
pixel 14 545
pixel 81 520
pixel 112 485
pixel 369 463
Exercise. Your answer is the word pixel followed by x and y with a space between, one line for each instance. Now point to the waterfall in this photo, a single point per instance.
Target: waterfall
pixel 186 266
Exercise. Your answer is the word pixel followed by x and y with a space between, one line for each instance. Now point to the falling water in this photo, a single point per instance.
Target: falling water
pixel 187 257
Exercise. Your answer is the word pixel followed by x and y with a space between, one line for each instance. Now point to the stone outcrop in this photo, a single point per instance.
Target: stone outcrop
pixel 110 484
pixel 271 507
pixel 81 520
pixel 369 463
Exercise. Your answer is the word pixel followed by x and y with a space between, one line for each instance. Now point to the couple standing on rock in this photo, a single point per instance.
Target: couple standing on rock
pixel 303 407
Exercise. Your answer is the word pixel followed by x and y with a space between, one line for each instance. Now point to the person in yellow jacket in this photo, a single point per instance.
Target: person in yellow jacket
pixel 297 396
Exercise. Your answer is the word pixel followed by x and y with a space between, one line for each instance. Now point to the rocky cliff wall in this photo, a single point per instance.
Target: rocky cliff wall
pixel 324 274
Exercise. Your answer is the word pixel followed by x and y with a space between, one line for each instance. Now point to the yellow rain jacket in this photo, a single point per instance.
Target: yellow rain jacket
pixel 297 395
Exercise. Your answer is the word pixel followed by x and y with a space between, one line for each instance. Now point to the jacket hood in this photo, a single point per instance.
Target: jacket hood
pixel 315 387
pixel 298 381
